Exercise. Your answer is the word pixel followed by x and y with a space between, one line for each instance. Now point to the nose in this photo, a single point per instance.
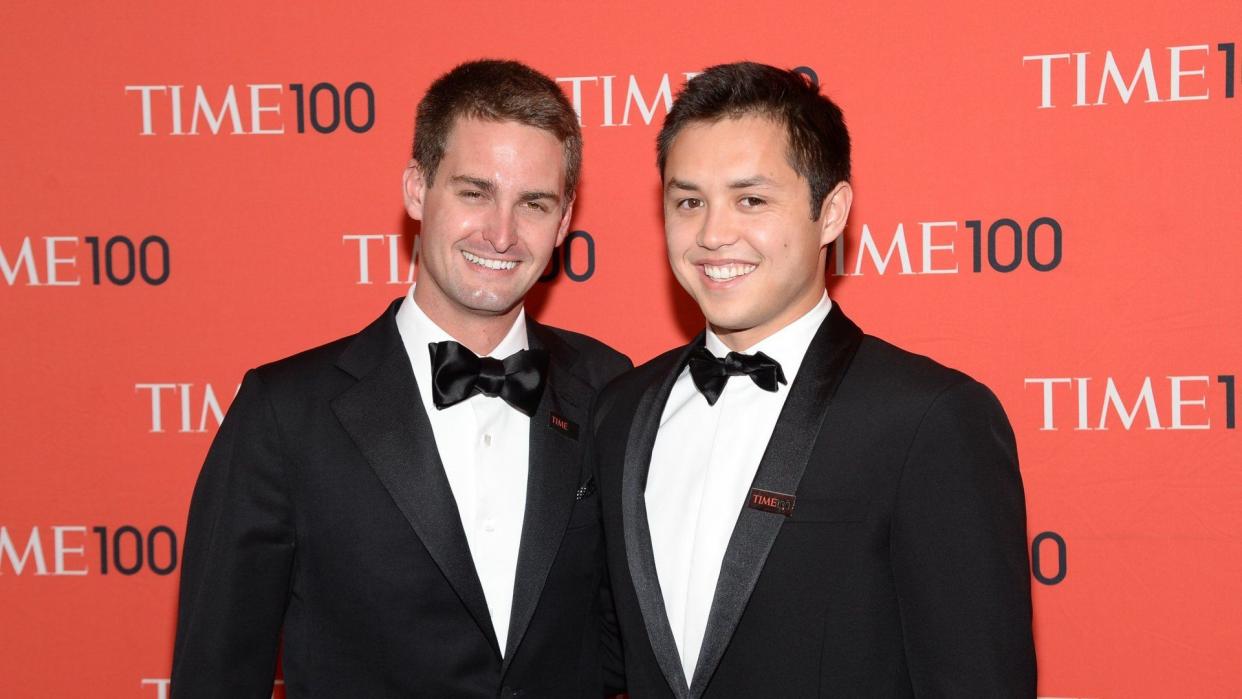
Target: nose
pixel 715 233
pixel 501 229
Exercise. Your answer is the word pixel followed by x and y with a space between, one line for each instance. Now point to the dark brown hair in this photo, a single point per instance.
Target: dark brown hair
pixel 495 91
pixel 819 143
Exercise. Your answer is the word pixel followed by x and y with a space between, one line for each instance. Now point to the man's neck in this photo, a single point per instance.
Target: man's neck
pixel 480 333
pixel 741 340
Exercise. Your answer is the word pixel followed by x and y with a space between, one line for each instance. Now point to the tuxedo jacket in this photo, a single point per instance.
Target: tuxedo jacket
pixel 901 570
pixel 323 510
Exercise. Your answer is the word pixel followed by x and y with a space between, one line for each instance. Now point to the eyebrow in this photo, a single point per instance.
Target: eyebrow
pixel 537 196
pixel 476 182
pixel 752 181
pixel 489 187
pixel 744 183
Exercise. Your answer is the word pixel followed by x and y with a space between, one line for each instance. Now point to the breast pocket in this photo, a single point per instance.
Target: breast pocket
pixel 825 510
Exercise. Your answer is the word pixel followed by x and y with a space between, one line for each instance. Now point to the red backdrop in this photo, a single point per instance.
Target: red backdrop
pixel 1046 198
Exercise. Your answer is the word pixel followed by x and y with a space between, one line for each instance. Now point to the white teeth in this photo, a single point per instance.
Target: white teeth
pixel 724 273
pixel 489 263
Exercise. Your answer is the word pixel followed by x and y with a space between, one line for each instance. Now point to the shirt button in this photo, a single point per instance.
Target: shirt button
pixel 489 525
pixel 487 440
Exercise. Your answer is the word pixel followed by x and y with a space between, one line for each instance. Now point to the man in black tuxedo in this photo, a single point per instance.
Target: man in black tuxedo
pixel 405 512
pixel 794 508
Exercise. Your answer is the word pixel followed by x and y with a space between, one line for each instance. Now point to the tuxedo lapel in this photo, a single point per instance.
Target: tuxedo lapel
pixel 384 415
pixel 555 461
pixel 638 550
pixel 780 470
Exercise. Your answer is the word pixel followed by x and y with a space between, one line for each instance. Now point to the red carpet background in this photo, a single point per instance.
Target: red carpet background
pixel 1046 198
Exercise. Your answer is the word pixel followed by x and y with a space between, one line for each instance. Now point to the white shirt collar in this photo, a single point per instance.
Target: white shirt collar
pixel 787 345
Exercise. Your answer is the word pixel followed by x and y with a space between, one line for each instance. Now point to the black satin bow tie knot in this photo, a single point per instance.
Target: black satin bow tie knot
pixel 457 373
pixel 710 373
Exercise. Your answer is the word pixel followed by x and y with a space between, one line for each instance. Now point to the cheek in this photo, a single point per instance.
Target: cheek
pixel 539 238
pixel 783 243
pixel 679 240
pixel 445 227
pixel 544 230
pixel 541 250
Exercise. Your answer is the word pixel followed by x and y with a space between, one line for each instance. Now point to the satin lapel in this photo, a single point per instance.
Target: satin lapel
pixel 555 463
pixel 638 549
pixel 780 470
pixel 384 415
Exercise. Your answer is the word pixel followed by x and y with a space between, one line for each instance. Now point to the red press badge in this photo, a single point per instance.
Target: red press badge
pixel 564 426
pixel 769 501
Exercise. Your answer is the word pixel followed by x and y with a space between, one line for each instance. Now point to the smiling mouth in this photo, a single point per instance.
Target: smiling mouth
pixel 488 262
pixel 724 273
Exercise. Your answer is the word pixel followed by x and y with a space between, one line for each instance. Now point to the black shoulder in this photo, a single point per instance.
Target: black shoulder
pixel 304 364
pixel 653 369
pixel 628 388
pixel 914 380
pixel 597 363
pixel 332 361
pixel 307 379
pixel 298 384
pixel 915 373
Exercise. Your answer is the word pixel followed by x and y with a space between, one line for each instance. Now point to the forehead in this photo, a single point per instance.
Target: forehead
pixel 724 147
pixel 510 143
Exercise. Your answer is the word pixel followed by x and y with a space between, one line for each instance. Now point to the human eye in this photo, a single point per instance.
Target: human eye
pixel 471 195
pixel 536 205
pixel 689 203
pixel 751 201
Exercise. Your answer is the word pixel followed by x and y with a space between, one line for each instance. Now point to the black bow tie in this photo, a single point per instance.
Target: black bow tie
pixel 457 373
pixel 711 373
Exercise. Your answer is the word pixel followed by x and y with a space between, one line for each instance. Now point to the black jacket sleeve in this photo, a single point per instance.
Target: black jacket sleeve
pixel 960 554
pixel 239 548
pixel 611 651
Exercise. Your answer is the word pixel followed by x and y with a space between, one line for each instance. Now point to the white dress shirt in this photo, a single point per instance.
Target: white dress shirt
pixel 484 444
pixel 702 466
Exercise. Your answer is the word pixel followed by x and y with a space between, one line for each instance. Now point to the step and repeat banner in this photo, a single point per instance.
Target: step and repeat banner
pixel 1047 197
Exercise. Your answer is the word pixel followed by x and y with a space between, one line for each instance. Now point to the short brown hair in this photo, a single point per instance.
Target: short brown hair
pixel 819 143
pixel 495 91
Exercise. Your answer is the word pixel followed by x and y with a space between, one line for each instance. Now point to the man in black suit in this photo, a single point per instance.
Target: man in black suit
pixel 793 508
pixel 405 512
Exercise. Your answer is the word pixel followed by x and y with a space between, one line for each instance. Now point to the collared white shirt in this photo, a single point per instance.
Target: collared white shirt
pixel 484 444
pixel 702 466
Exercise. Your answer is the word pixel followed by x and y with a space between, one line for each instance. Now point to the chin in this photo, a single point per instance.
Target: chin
pixel 490 302
pixel 724 320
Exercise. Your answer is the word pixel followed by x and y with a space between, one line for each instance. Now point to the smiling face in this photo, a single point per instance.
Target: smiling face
pixel 738 228
pixel 490 221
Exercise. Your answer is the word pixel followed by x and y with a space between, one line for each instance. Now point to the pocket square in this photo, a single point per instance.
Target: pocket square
pixel 586 490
